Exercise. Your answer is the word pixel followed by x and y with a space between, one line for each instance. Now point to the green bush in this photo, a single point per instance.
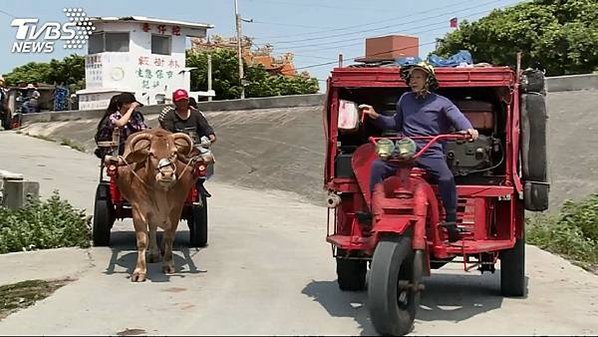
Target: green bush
pixel 573 233
pixel 46 224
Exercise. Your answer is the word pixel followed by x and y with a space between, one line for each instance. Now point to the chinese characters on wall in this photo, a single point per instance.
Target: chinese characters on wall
pixel 162 29
pixel 155 71
pixel 93 71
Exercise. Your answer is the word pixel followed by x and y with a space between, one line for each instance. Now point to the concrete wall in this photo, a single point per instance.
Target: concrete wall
pixel 572 83
pixel 226 105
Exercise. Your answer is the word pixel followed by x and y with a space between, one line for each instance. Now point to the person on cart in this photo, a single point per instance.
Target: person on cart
pixel 188 119
pixel 122 113
pixel 185 117
pixel 421 112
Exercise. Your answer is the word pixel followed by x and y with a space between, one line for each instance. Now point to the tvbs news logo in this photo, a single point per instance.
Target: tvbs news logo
pixel 32 37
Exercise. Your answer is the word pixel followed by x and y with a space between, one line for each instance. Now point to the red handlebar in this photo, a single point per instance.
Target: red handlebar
pixel 432 140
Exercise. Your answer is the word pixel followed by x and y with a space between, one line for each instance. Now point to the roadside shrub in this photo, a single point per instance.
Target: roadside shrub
pixel 572 233
pixel 53 223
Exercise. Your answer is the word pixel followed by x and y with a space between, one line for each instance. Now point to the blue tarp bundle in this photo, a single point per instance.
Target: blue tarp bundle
pixel 462 56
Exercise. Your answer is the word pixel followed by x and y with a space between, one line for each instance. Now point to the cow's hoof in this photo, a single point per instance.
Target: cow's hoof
pixel 168 269
pixel 153 258
pixel 138 277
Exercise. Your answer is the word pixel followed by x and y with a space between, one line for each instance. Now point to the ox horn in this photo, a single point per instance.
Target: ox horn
pixel 186 137
pixel 137 138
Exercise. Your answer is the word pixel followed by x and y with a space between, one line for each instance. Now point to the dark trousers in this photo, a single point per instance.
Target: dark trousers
pixel 437 168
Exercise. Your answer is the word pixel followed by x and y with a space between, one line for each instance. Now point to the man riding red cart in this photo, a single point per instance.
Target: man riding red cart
pixel 417 179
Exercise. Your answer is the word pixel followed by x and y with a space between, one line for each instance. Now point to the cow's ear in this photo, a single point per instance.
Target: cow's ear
pixel 136 156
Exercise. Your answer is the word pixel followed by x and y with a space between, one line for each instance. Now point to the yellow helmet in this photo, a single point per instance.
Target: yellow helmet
pixel 431 82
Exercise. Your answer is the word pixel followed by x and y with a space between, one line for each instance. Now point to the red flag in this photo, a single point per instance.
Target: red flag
pixel 453 23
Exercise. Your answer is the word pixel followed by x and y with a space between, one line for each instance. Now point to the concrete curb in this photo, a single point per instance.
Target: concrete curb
pixel 227 105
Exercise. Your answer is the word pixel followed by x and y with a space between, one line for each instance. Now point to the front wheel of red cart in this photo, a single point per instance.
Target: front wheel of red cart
pixel 393 288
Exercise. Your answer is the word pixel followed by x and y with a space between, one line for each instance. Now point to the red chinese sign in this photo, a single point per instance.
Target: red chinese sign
pixel 162 29
pixel 175 30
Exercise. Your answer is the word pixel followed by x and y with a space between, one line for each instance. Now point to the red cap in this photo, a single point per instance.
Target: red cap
pixel 179 94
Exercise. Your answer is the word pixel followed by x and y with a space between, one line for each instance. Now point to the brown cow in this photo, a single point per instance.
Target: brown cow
pixel 155 176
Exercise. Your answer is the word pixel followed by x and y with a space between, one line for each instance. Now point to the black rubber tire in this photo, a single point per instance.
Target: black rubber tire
pixel 392 262
pixel 351 274
pixel 512 270
pixel 533 137
pixel 102 219
pixel 535 196
pixel 103 216
pixel 533 81
pixel 198 224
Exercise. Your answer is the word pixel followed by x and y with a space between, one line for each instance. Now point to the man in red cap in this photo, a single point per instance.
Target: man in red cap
pixel 185 118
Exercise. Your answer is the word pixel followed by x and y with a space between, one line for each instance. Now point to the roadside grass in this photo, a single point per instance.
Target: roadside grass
pixel 572 233
pixel 52 223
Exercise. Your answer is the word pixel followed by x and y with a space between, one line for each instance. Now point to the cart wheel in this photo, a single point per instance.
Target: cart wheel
pixel 198 224
pixel 512 270
pixel 101 223
pixel 393 294
pixel 103 217
pixel 351 274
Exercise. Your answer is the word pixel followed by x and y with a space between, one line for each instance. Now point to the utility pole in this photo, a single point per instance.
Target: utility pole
pixel 209 74
pixel 239 48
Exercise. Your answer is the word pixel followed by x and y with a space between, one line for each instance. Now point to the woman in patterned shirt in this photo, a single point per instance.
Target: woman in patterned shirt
pixel 122 114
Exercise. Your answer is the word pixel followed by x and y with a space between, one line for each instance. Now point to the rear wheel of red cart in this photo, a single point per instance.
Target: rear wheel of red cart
pixel 512 270
pixel 103 216
pixel 351 274
pixel 393 289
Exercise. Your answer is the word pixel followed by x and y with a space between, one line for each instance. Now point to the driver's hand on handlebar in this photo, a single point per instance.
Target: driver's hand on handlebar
pixel 473 133
pixel 369 110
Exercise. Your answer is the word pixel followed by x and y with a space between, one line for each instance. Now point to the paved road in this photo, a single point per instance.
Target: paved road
pixel 267 271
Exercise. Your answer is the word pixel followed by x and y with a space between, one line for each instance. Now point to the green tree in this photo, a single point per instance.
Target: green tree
pixel 260 83
pixel 559 35
pixel 68 71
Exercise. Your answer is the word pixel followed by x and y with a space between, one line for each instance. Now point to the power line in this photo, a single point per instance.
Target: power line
pixel 310 46
pixel 389 26
pixel 285 24
pixel 354 58
pixel 365 24
pixel 282 54
pixel 324 6
pixel 361 42
pixel 361 38
pixel 7 13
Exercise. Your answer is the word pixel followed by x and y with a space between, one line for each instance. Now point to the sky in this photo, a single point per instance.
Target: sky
pixel 316 31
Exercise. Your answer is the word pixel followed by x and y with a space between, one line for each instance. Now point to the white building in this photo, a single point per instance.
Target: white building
pixel 144 56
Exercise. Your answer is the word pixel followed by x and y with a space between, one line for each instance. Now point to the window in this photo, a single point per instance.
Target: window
pixel 118 42
pixel 108 41
pixel 96 43
pixel 161 44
